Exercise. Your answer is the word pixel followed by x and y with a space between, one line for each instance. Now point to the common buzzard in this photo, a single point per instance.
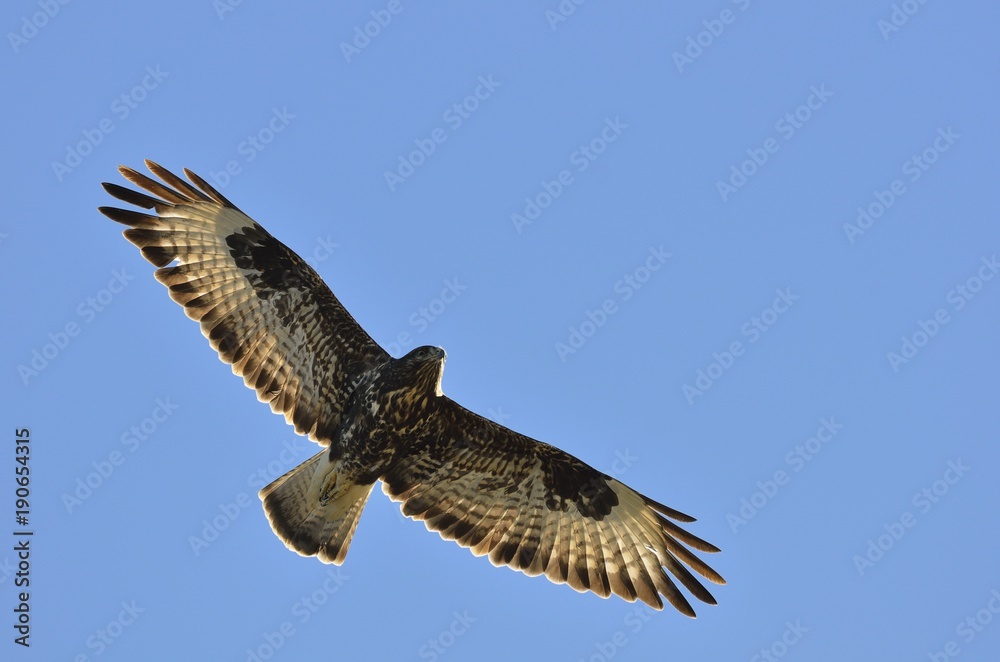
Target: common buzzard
pixel 526 504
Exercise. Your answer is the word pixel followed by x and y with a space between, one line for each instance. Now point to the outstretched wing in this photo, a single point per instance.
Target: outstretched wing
pixel 539 510
pixel 259 304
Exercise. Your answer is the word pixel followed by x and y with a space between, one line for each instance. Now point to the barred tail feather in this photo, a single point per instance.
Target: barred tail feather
pixel 304 524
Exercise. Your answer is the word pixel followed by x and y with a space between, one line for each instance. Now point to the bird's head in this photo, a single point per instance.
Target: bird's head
pixel 426 364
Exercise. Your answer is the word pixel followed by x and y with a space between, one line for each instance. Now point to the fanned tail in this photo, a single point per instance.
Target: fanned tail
pixel 304 524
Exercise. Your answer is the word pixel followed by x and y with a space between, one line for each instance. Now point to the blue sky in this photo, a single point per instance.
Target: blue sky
pixel 740 254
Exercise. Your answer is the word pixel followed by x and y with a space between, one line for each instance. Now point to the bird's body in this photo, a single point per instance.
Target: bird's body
pixel 526 504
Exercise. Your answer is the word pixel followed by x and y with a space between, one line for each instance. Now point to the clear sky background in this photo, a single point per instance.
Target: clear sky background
pixel 686 183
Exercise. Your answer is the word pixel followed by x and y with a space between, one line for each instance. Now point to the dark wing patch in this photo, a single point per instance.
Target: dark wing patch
pixel 537 509
pixel 265 310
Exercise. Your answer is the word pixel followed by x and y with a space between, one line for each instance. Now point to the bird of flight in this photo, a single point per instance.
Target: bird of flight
pixel 526 504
